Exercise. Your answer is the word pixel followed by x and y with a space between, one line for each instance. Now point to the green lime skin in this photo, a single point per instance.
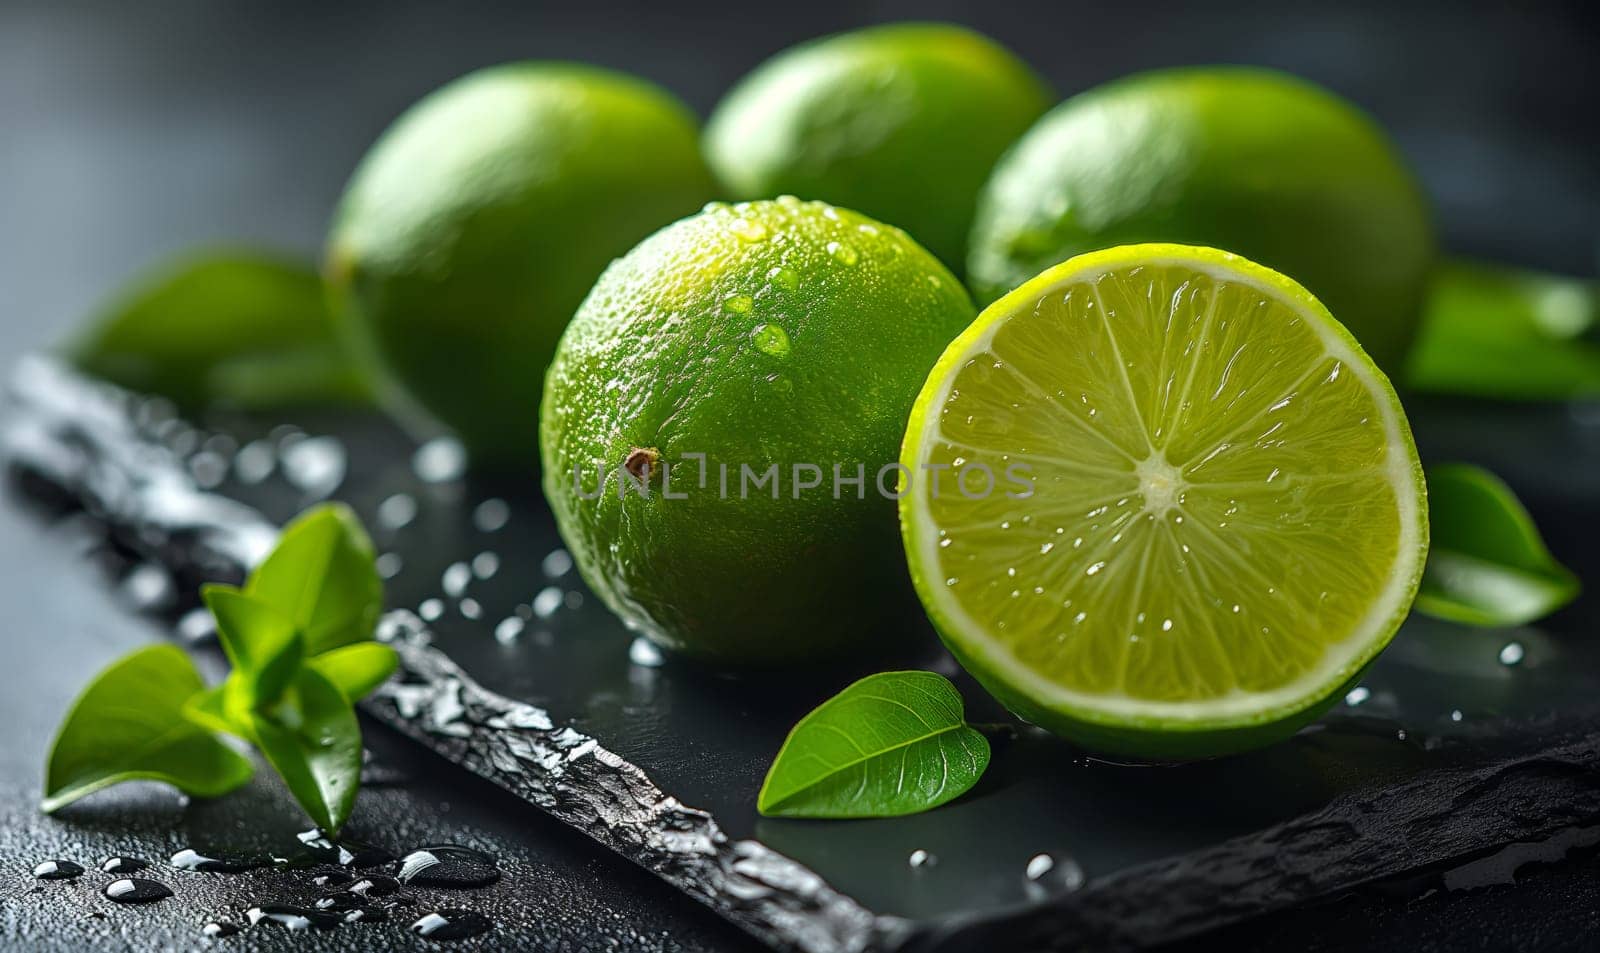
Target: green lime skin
pixel 902 122
pixel 777 333
pixel 472 230
pixel 1263 164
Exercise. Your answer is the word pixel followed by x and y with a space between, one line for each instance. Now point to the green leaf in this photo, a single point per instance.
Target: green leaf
pixel 322 575
pixel 890 744
pixel 128 725
pixel 213 711
pixel 1486 564
pixel 313 741
pixel 357 669
pixel 231 327
pixel 1491 331
pixel 261 642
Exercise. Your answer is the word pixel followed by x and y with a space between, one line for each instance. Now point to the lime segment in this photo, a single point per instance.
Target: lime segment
pixel 1211 512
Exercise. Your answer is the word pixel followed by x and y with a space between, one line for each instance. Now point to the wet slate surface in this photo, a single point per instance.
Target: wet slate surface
pixel 63 622
pixel 1459 740
pixel 151 126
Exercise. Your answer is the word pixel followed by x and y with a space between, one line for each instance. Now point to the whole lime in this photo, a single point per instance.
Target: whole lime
pixel 472 230
pixel 1253 161
pixel 902 122
pixel 721 424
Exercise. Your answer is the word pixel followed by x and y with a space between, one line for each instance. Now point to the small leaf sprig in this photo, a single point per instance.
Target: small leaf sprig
pixel 298 637
pixel 890 744
pixel 1487 564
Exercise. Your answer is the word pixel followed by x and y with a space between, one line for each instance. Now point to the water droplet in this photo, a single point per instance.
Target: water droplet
pixel 389 565
pixel 491 515
pixel 122 865
pixel 1047 875
pixel 784 278
pixel 738 304
pixel 748 230
pixel 1455 714
pixel 770 339
pixel 573 599
pixel 332 878
pixel 293 919
pixel 375 885
pixel 842 253
pixel 642 651
pixel 338 902
pixel 217 929
pixel 315 465
pixel 1357 695
pixel 397 511
pixel 557 564
pixel 57 870
pixel 136 890
pixel 191 859
pixel 255 461
pixel 451 924
pixel 209 469
pixel 148 587
pixel 547 602
pixel 440 460
pixel 455 579
pixel 346 852
pixel 366 915
pixel 470 608
pixel 447 865
pixel 509 630
pixel 431 610
pixel 921 858
pixel 485 564
pixel 1511 654
pixel 197 625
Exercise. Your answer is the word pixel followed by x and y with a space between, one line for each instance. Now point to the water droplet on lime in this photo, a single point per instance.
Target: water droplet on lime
pixel 784 278
pixel 770 339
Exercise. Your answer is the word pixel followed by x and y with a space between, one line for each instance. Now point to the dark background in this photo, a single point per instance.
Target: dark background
pixel 132 130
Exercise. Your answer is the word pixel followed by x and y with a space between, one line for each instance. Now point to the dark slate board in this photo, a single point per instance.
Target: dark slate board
pixel 1456 746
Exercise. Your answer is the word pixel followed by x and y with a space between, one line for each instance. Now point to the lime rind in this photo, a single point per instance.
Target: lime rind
pixel 1142 726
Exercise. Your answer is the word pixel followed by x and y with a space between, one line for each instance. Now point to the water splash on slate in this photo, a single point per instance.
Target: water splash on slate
pixel 292 918
pixel 374 886
pixel 191 859
pixel 346 852
pixel 57 870
pixel 217 929
pixel 447 865
pixel 137 890
pixel 452 924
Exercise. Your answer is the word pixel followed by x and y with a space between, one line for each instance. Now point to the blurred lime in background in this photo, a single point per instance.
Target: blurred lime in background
pixel 1249 160
pixel 472 230
pixel 229 327
pixel 900 122
pixel 769 335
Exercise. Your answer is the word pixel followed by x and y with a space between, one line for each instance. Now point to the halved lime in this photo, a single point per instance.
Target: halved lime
pixel 1160 502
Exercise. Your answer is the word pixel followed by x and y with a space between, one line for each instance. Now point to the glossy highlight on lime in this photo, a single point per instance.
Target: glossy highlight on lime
pixel 1229 520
